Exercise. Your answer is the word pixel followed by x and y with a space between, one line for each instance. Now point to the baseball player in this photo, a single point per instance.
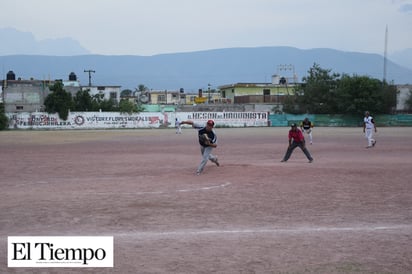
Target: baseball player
pixel 207 142
pixel 368 128
pixel 306 127
pixel 296 139
pixel 178 126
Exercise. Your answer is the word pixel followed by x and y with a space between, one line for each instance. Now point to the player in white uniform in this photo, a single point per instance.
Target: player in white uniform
pixel 178 126
pixel 368 128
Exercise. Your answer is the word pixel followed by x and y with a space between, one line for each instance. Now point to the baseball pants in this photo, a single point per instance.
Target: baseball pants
pixel 369 136
pixel 292 147
pixel 206 155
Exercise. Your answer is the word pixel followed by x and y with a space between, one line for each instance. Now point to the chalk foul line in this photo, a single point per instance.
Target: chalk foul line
pixel 291 230
pixel 165 192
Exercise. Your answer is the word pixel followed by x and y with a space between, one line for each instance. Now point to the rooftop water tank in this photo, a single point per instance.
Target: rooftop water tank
pixel 275 79
pixel 72 76
pixel 11 75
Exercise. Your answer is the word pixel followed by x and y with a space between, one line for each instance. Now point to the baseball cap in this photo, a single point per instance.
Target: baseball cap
pixel 210 123
pixel 293 125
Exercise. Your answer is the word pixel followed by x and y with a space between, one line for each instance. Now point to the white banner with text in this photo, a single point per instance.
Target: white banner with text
pixel 116 120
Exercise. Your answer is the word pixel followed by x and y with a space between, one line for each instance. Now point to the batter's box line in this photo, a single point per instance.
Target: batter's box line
pixel 162 192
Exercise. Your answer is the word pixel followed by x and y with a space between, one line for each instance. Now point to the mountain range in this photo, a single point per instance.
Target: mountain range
pixel 21 42
pixel 194 70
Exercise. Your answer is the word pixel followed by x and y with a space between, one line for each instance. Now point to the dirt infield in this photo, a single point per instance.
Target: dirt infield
pixel 350 211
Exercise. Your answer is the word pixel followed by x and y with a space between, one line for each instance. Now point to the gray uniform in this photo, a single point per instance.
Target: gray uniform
pixel 206 150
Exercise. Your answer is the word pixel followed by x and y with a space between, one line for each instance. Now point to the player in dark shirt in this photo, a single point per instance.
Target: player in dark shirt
pixel 207 141
pixel 306 126
pixel 296 139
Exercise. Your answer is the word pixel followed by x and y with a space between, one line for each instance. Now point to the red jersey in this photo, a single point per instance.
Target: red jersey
pixel 297 135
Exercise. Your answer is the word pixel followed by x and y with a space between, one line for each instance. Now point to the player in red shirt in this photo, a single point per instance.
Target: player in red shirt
pixel 296 139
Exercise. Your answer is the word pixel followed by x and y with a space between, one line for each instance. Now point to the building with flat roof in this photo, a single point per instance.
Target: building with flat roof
pixel 21 95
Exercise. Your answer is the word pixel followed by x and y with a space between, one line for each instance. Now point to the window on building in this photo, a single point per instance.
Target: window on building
pixel 113 95
pixel 19 107
pixel 161 98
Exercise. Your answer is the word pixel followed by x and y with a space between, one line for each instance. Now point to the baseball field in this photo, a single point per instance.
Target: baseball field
pixel 350 211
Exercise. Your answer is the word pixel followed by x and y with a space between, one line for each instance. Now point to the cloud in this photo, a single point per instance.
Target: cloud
pixel 162 26
pixel 406 8
pixel 18 42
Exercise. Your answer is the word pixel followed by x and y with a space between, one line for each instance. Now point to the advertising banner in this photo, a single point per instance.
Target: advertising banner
pixel 116 120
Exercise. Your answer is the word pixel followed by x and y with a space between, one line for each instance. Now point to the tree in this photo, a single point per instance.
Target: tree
pixel 4 121
pixel 59 101
pixel 125 93
pixel 359 93
pixel 125 106
pixel 318 90
pixel 389 98
pixel 290 104
pixel 97 99
pixel 142 88
pixel 83 101
pixel 101 104
pixel 324 92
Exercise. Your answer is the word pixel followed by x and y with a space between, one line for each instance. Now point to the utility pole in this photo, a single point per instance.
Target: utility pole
pixel 385 55
pixel 90 76
pixel 208 92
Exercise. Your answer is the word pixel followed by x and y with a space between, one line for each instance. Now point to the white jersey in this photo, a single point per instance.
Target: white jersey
pixel 368 122
pixel 198 126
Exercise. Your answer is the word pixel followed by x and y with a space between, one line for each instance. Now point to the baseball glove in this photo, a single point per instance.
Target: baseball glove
pixel 204 140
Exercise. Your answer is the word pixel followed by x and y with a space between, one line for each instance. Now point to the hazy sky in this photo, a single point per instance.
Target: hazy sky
pixel 149 27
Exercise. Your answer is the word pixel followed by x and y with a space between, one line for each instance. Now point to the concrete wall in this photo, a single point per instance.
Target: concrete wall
pixel 403 94
pixel 25 97
pixel 116 120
